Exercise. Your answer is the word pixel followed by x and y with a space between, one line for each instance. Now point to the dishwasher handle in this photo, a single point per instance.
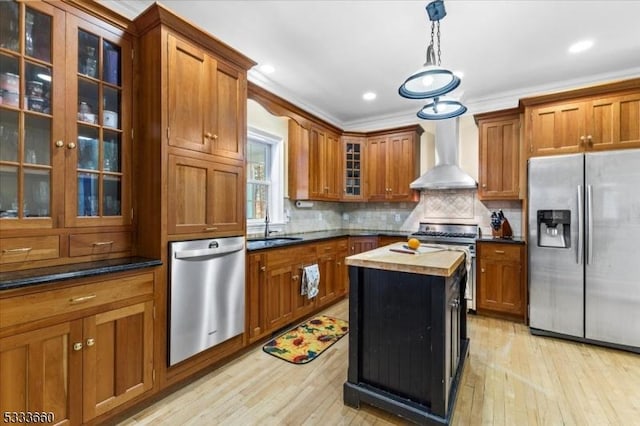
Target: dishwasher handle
pixel 216 251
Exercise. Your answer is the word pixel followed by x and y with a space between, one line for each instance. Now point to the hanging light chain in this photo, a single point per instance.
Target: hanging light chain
pixel 438 40
pixel 432 32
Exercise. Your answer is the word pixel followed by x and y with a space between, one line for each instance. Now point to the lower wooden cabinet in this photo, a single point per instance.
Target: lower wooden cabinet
pixel 274 279
pixel 501 284
pixel 362 244
pixel 80 363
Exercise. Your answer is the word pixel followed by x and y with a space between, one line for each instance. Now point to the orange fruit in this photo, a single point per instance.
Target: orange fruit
pixel 413 243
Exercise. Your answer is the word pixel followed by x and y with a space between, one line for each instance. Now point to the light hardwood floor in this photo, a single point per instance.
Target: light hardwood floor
pixel 511 378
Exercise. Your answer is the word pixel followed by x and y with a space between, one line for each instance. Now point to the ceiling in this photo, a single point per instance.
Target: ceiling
pixel 327 53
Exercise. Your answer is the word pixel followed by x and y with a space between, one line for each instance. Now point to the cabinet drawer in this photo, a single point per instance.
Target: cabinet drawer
pixel 326 248
pixel 25 249
pixel 509 252
pixel 37 306
pixel 99 243
pixel 342 244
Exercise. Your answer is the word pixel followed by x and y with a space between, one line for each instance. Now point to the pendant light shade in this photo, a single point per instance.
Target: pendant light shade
pixel 429 81
pixel 441 108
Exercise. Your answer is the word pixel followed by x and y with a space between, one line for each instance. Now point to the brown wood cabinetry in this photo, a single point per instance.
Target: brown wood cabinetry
pixel 362 244
pixel 501 283
pixel 78 351
pixel 66 143
pixel 393 162
pixel 329 273
pixel 325 153
pixel 354 162
pixel 591 119
pixel 499 155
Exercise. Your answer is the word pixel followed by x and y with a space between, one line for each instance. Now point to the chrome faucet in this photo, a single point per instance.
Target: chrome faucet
pixel 266 223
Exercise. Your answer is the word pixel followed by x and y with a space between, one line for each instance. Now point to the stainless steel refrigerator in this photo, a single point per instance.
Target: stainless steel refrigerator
pixel 584 246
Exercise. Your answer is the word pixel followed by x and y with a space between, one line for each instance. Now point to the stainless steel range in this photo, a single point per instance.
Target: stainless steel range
pixel 450 234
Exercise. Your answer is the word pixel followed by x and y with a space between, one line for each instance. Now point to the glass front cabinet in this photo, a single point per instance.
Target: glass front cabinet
pixel 65 119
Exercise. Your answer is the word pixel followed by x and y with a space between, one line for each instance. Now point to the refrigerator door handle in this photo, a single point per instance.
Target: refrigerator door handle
pixel 589 225
pixel 579 257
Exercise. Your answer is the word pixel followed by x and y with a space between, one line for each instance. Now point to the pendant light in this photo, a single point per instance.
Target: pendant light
pixel 441 108
pixel 432 80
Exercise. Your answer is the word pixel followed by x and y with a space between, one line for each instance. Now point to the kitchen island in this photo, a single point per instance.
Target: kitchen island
pixel 407 337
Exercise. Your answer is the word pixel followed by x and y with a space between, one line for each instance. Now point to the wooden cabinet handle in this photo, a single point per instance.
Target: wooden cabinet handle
pixel 82 299
pixel 500 251
pixel 59 144
pixel 77 346
pixel 71 145
pixel 17 250
pixel 212 228
pixel 91 342
pixel 103 243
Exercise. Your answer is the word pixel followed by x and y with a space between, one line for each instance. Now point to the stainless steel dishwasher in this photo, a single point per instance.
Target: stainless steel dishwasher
pixel 207 294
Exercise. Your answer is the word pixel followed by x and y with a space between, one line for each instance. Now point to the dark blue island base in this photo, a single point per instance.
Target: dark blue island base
pixel 407 342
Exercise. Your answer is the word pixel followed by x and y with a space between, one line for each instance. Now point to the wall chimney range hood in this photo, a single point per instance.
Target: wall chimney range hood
pixel 446 174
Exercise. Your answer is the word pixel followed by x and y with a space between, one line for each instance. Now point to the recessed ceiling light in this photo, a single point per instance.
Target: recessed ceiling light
pixel 581 46
pixel 267 69
pixel 369 96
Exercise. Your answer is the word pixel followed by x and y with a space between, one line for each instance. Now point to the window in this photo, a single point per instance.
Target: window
pixel 264 179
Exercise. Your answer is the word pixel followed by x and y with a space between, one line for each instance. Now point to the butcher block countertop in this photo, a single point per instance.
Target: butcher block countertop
pixel 425 260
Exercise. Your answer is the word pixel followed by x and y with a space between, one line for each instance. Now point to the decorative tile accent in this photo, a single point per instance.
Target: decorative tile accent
pixel 449 204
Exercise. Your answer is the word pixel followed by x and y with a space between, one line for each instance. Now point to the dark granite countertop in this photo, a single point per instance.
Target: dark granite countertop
pixel 28 277
pixel 489 239
pixel 254 244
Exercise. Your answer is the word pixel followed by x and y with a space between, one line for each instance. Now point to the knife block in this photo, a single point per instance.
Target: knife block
pixel 504 231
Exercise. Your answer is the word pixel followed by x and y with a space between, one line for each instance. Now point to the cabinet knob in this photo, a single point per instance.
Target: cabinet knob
pixel 482 270
pixel 263 268
pixel 77 346
pixel 215 136
pixel 91 342
pixel 71 145
pixel 208 135
pixel 484 185
pixel 59 144
pixel 589 138
pixel 295 277
pixel 582 138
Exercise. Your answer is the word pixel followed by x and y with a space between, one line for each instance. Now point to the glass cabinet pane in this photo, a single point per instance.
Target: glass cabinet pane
pixel 88 148
pixel 9 81
pixel 112 193
pixel 37 88
pixel 37 35
pixel 111 111
pixel 88 51
pixel 111 63
pixel 87 101
pixel 111 154
pixel 9 25
pixel 37 140
pixel 37 198
pixel 8 136
pixel 88 195
pixel 9 191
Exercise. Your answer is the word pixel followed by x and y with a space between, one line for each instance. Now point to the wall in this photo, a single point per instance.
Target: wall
pixel 453 206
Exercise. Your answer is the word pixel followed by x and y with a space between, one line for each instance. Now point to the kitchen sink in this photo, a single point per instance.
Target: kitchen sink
pixel 259 243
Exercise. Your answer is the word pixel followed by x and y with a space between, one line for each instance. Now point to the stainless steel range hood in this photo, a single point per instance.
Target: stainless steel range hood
pixel 446 174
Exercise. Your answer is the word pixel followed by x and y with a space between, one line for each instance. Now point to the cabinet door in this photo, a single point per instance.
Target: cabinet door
pixel 118 357
pixel 400 167
pixel 278 290
pixel 327 288
pixel 353 161
pixel 500 287
pixel 191 106
pixel 332 171
pixel 614 122
pixel 316 163
pixel 362 244
pixel 41 372
pixel 187 195
pixel 499 159
pixel 99 111
pixel 558 129
pixel 225 196
pixel 342 273
pixel 228 126
pixel 32 115
pixel 302 305
pixel 377 168
pixel 255 294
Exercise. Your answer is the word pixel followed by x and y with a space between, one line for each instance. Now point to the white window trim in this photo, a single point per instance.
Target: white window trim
pixel 276 199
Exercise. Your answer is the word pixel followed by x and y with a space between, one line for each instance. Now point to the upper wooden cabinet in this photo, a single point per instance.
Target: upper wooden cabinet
pixel 192 111
pixel 353 165
pixel 204 102
pixel 65 115
pixel 393 162
pixel 591 119
pixel 499 155
pixel 325 175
